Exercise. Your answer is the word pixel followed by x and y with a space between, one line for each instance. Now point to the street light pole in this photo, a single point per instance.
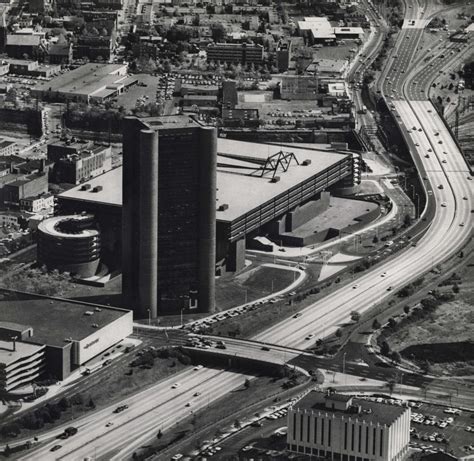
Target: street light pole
pixel 344 362
pixel 417 211
pixel 149 317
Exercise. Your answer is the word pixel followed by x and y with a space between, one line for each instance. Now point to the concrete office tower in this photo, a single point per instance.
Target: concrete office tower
pixel 169 215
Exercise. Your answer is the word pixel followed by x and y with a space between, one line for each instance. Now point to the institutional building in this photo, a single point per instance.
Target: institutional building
pixel 42 336
pixel 342 428
pixel 169 215
pixel 70 244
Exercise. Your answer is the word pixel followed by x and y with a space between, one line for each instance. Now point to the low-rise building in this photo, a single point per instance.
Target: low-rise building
pixel 243 53
pixel 343 428
pixel 21 45
pixel 27 186
pixel 60 53
pixel 83 165
pixel 33 68
pixel 7 147
pixel 38 203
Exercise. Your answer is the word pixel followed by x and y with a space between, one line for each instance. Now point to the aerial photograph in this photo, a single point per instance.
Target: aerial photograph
pixel 236 230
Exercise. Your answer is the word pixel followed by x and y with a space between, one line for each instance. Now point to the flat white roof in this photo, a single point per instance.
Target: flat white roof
pixel 244 192
pixel 110 194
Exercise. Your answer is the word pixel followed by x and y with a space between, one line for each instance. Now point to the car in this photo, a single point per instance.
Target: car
pixel 419 129
pixel 265 348
pixel 417 145
pixel 56 448
pixel 469 429
pixel 444 161
pixel 256 424
pixel 461 224
pixel 443 205
pixel 299 314
pixel 440 186
pixel 430 150
pixel 196 394
pixel 309 336
pixel 188 405
pixel 175 386
pixel 109 424
pixel 464 198
pixel 198 367
pixel 427 156
pixel 355 286
pixel 389 289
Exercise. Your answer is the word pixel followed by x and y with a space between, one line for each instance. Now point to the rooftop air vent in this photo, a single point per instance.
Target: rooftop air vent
pixel 223 207
pixel 306 162
pixel 97 189
pixel 85 187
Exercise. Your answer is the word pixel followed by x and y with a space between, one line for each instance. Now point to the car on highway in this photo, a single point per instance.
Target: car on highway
pixel 56 448
pixel 196 394
pixel 309 337
pixel 120 408
pixel 197 367
pixel 109 424
pixel 265 348
pixel 299 314
pixel 389 289
pixel 444 161
pixel 440 142
pixel 427 156
pixel 443 204
pixel 440 186
pixel 175 386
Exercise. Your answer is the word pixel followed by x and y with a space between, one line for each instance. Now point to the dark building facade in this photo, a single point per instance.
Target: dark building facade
pixel 169 215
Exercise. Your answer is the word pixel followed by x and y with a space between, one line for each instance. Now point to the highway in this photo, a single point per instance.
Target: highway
pixel 160 407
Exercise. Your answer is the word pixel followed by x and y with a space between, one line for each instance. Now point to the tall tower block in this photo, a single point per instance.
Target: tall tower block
pixel 169 215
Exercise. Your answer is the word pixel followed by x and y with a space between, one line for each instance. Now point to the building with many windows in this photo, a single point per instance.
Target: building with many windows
pixel 343 428
pixel 243 53
pixel 169 213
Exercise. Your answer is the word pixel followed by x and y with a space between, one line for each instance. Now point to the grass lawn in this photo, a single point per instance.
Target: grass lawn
pixel 254 283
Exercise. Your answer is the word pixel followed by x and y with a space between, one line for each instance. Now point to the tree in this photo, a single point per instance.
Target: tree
pixel 355 316
pixel 338 332
pixel 392 322
pixel 237 424
pixel 406 309
pixel 217 32
pixel 375 239
pixel 91 403
pixel 64 403
pixel 456 288
pixel 384 348
pixel 247 383
pixel 159 435
pixel 396 357
pixel 376 324
pixel 407 220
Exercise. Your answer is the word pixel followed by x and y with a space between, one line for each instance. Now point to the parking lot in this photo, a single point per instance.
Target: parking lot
pixel 437 428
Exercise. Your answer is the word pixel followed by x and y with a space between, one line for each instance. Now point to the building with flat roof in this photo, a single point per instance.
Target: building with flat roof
pixel 82 165
pixel 25 186
pixel 243 53
pixel 71 332
pixel 169 196
pixel 89 81
pixel 256 184
pixel 7 147
pixel 20 363
pixel 343 428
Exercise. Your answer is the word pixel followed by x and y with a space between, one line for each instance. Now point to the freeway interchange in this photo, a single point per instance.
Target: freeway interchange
pixel 448 185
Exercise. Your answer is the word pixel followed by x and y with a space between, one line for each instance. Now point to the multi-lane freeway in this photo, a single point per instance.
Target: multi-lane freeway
pixel 447 183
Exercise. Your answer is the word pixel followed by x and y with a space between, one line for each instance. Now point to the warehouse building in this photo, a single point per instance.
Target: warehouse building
pixel 88 82
pixel 53 337
pixel 342 428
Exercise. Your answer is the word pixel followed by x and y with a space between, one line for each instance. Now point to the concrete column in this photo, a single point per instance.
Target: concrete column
pixel 207 218
pixel 130 221
pixel 147 237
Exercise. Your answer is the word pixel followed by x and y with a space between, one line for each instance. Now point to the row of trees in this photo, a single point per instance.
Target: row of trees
pixel 46 414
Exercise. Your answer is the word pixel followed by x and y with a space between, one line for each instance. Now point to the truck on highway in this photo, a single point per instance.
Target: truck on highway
pixel 363 110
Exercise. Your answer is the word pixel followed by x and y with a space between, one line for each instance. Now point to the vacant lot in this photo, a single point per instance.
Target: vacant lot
pixel 444 337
